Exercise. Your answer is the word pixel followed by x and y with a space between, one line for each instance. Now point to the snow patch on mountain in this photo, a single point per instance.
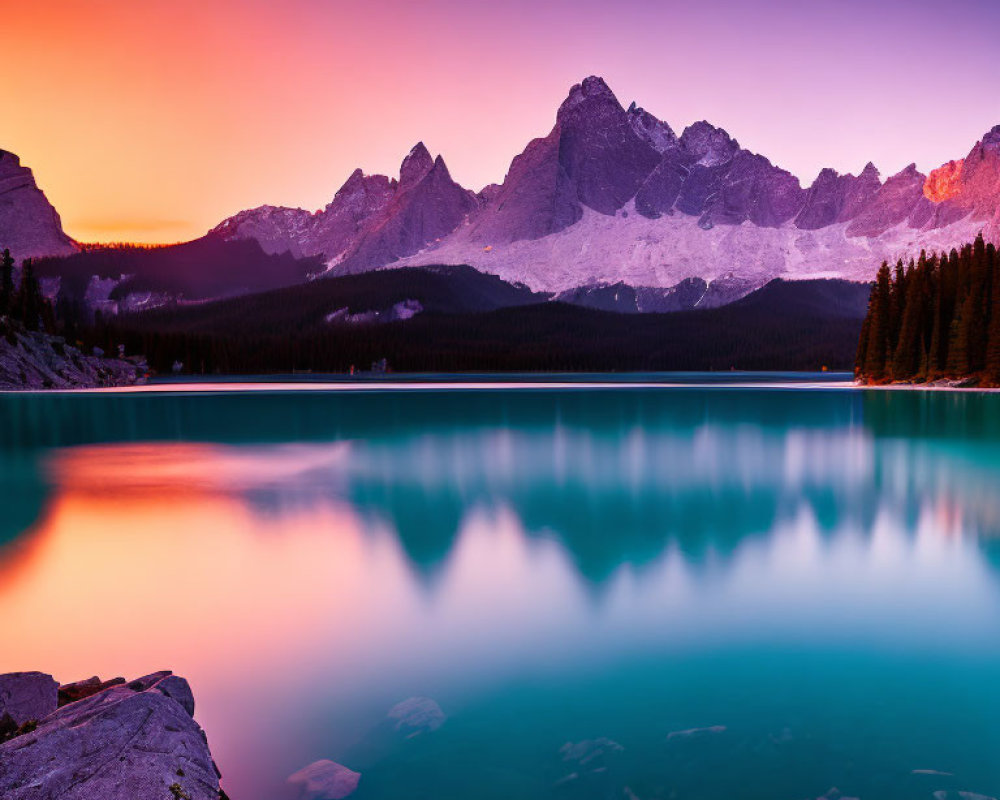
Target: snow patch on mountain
pixel 639 251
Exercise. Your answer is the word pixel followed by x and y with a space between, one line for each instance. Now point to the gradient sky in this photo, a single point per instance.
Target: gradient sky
pixel 152 120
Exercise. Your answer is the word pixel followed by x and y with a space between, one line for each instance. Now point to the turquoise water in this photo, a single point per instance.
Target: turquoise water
pixel 707 591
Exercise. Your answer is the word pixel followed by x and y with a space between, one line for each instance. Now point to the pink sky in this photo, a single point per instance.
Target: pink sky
pixel 153 120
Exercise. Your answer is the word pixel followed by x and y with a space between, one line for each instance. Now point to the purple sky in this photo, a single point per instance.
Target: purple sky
pixel 256 102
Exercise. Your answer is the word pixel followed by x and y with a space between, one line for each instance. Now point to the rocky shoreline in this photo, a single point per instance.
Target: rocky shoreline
pixel 114 740
pixel 30 360
pixel 138 740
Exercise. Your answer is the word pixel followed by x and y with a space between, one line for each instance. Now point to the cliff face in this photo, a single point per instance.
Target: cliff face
pixel 31 360
pixel 29 225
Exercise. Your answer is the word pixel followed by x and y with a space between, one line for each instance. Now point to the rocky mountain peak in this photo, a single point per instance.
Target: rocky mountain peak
pixel 709 145
pixel 598 147
pixel 654 131
pixel 8 161
pixel 359 185
pixel 440 166
pixel 871 171
pixel 992 138
pixel 417 163
pixel 591 88
pixel 353 182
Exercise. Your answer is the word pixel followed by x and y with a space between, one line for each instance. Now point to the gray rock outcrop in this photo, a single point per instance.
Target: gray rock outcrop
pixel 26 696
pixel 29 225
pixel 34 360
pixel 129 741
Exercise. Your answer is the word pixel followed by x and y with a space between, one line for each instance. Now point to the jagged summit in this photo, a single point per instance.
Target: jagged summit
pixel 418 162
pixel 992 137
pixel 592 87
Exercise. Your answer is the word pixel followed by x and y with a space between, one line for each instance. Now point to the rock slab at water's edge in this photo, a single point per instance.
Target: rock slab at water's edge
pixel 128 741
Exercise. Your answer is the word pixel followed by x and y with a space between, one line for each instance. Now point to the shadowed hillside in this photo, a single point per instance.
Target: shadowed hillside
pixel 804 325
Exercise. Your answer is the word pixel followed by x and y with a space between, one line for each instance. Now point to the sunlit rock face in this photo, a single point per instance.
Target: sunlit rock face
pixel 944 182
pixel 29 225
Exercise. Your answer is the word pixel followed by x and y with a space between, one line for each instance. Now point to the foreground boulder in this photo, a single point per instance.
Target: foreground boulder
pixel 126 742
pixel 27 696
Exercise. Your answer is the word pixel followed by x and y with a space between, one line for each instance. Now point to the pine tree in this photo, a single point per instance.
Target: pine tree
pixel 6 282
pixel 29 296
pixel 938 349
pixel 874 367
pixel 908 349
pixel 960 346
pixel 991 367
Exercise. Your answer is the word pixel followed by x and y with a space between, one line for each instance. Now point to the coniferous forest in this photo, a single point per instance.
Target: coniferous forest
pixel 936 318
pixel 22 301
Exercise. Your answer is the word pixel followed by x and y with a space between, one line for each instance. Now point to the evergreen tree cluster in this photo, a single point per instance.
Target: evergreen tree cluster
pixel 936 318
pixel 22 300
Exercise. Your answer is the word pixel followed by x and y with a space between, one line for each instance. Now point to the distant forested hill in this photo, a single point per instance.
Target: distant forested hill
pixel 475 323
pixel 937 318
pixel 208 267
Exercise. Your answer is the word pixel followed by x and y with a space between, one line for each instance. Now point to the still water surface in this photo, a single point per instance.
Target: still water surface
pixel 808 579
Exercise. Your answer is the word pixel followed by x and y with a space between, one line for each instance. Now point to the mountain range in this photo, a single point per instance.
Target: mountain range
pixel 614 195
pixel 612 210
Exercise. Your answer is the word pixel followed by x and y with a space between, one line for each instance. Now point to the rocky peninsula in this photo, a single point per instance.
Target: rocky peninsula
pixel 34 360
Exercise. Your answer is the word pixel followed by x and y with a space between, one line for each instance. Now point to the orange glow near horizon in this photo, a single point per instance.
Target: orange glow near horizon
pixel 152 121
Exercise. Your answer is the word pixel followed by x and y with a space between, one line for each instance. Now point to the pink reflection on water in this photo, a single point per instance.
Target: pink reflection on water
pixel 150 557
pixel 298 630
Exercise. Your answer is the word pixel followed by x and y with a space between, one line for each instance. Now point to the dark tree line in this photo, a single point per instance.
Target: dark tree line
pixel 936 318
pixel 784 326
pixel 23 301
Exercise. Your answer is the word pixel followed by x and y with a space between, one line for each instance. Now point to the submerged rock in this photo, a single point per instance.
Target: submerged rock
pixel 696 733
pixel 417 715
pixel 961 796
pixel 26 696
pixel 596 769
pixel 325 780
pixel 125 742
pixel 590 751
pixel 835 794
